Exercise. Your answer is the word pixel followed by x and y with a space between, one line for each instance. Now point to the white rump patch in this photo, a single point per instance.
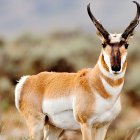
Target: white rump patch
pixel 18 89
pixel 114 38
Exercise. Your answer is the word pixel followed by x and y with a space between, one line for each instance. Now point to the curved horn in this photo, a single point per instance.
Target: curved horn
pixel 133 23
pixel 97 24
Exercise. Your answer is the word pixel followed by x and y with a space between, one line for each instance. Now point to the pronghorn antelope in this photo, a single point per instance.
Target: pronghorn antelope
pixel 88 100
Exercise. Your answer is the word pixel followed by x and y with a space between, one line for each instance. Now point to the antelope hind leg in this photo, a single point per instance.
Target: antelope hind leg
pixel 36 126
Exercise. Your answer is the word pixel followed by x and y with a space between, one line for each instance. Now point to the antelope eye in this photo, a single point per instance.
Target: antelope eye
pixel 126 45
pixel 103 45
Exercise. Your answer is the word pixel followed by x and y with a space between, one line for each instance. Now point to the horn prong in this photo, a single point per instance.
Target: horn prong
pixel 97 24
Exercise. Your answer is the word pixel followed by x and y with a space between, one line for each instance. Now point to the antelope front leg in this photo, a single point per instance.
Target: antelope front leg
pixel 101 132
pixel 86 130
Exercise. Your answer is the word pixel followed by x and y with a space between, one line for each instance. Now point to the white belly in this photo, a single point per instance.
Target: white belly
pixel 60 113
pixel 64 120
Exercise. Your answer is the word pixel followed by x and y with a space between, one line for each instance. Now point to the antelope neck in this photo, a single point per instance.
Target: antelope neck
pixel 104 83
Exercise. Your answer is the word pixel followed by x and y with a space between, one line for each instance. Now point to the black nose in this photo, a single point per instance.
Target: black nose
pixel 116 68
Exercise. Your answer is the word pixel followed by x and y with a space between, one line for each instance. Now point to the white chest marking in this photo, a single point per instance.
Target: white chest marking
pixel 105 110
pixel 114 91
pixel 112 113
pixel 103 105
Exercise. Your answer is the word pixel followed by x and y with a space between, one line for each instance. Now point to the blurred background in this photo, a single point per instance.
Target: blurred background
pixel 38 35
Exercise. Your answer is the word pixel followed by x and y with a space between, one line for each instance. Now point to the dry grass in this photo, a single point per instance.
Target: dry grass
pixel 1 127
pixel 63 52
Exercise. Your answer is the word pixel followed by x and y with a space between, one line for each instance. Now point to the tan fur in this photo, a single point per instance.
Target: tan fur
pixel 50 85
pixel 98 85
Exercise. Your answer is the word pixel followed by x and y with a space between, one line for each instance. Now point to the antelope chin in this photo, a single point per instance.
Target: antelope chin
pixel 115 72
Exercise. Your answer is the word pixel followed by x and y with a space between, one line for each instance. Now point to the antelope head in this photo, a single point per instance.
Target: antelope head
pixel 114 46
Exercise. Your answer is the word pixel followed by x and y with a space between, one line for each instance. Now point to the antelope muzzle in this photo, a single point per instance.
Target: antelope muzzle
pixel 115 60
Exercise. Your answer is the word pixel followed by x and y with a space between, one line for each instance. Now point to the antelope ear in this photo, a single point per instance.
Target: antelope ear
pixel 100 36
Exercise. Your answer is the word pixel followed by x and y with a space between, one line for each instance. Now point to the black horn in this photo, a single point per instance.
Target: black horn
pixel 129 30
pixel 98 25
